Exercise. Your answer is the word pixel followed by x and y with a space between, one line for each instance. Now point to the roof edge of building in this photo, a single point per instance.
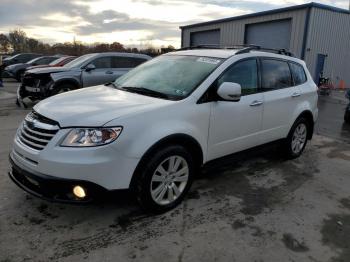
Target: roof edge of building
pixel 269 12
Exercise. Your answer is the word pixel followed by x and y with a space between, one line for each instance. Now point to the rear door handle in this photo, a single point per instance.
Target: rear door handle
pixel 296 94
pixel 109 72
pixel 256 103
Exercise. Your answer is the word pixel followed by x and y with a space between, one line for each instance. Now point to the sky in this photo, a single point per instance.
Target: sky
pixel 131 22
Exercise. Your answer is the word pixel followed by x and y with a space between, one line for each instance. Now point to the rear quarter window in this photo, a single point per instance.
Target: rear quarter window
pixel 275 74
pixel 298 73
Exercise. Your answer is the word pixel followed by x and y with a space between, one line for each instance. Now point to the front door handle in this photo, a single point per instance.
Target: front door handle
pixel 256 103
pixel 296 94
pixel 109 72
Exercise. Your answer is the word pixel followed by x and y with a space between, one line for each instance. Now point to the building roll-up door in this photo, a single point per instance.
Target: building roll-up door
pixel 210 37
pixel 273 34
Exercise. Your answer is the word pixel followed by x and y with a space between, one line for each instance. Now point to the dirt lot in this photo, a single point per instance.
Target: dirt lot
pixel 253 206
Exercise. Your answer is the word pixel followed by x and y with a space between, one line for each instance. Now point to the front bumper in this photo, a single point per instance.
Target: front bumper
pixel 105 166
pixel 8 74
pixel 53 188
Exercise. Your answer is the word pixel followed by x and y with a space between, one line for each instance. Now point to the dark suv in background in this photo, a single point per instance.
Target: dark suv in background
pixel 19 58
pixel 16 71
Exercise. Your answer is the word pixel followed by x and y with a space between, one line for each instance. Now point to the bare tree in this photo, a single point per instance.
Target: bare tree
pixel 4 43
pixel 18 40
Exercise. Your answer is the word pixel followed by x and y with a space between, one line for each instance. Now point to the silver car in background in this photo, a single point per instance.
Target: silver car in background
pixel 87 70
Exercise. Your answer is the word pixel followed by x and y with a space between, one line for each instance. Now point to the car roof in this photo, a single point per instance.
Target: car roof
pixel 227 53
pixel 122 54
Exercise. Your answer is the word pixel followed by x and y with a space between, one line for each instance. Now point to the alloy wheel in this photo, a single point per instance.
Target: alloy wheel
pixel 169 180
pixel 299 138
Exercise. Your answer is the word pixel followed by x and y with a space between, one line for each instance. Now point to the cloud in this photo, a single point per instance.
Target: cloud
pixel 129 21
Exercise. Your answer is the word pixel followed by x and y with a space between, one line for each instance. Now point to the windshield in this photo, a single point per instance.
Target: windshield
pixel 56 61
pixel 34 60
pixel 171 75
pixel 78 61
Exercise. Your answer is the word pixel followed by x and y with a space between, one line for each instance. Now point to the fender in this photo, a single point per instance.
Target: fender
pixel 66 80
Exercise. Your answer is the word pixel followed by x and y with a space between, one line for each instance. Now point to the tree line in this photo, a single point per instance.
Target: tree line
pixel 17 41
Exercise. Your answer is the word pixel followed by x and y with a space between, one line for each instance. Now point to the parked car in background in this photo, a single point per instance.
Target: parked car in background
pixel 154 127
pixel 17 70
pixel 84 71
pixel 20 58
pixel 58 62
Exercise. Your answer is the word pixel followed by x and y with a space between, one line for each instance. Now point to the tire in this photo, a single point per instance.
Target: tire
pixel 62 89
pixel 19 76
pixel 157 190
pixel 347 116
pixel 296 140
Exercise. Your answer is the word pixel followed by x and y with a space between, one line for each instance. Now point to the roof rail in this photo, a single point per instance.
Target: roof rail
pixel 243 49
pixel 212 47
pixel 280 51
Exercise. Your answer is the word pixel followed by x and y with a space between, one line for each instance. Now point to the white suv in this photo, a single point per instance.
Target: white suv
pixel 155 126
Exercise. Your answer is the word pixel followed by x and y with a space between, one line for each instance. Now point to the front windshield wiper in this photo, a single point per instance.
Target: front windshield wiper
pixel 143 91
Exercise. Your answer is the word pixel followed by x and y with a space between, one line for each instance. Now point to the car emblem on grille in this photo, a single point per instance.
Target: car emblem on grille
pixel 31 121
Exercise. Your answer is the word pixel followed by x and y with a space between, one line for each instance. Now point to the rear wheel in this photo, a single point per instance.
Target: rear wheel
pixel 296 141
pixel 165 179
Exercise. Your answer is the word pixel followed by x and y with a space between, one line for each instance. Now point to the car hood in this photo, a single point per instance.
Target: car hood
pixel 36 67
pixel 49 70
pixel 95 106
pixel 17 66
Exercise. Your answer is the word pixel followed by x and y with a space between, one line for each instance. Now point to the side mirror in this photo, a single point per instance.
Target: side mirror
pixel 230 91
pixel 90 67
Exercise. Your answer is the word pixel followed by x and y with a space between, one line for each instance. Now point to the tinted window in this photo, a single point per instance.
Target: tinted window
pixel 244 73
pixel 23 58
pixel 102 62
pixel 298 73
pixel 275 74
pixel 126 62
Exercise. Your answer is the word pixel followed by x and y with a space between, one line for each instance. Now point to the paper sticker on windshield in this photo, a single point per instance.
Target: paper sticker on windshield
pixel 208 60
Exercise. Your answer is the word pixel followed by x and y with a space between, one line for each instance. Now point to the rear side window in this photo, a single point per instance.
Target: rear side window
pixel 126 62
pixel 275 74
pixel 298 73
pixel 102 62
pixel 244 73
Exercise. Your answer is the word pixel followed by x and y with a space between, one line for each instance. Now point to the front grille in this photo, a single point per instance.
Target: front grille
pixel 37 131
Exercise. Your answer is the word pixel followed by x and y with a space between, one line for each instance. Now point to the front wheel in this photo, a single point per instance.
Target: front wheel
pixel 165 179
pixel 347 115
pixel 62 89
pixel 296 141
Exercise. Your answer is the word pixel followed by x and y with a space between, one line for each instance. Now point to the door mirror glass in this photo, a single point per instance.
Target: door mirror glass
pixel 90 67
pixel 230 91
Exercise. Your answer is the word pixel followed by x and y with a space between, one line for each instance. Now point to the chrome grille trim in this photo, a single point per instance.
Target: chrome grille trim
pixel 37 131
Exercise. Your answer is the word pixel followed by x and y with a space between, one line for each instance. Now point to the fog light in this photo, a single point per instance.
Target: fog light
pixel 79 192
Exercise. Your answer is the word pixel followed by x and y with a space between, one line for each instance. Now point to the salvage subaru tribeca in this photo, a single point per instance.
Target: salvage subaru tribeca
pixel 153 128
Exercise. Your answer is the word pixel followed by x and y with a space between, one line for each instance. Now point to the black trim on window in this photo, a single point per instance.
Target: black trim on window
pixel 276 59
pixel 210 94
pixel 305 75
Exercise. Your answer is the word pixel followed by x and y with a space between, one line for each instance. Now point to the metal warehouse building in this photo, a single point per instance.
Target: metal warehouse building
pixel 316 33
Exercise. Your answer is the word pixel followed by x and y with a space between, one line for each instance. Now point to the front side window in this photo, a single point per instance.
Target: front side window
pixel 298 73
pixel 102 62
pixel 174 76
pixel 275 74
pixel 244 73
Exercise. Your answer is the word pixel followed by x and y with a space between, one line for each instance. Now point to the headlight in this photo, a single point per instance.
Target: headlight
pixel 85 137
